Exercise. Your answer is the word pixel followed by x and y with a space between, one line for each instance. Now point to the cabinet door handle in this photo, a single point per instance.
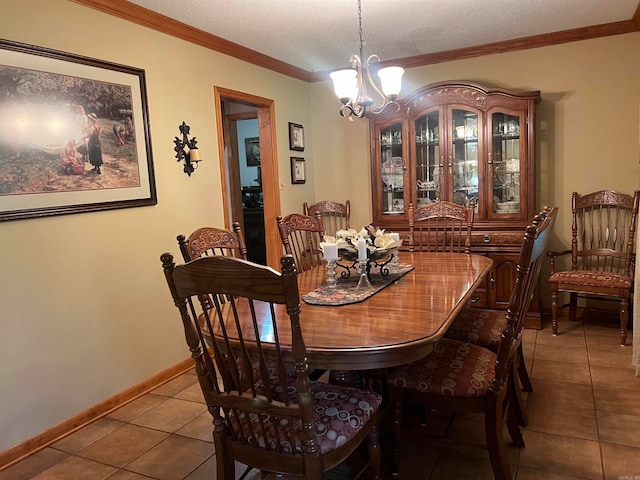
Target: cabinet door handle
pixel 489 162
pixel 450 165
pixel 475 299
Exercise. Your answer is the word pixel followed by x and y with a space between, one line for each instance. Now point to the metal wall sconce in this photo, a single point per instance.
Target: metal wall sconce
pixel 190 158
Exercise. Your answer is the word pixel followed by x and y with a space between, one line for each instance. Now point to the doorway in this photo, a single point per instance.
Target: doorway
pixel 255 201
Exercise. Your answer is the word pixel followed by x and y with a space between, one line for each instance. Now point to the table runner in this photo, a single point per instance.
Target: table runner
pixel 345 291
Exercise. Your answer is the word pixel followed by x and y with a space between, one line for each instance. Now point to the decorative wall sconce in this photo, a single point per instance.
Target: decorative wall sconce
pixel 192 157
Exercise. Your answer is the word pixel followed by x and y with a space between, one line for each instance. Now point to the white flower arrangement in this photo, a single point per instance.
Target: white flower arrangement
pixel 377 241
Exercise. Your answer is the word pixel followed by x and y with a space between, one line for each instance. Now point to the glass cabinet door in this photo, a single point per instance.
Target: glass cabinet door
pixel 427 158
pixel 463 158
pixel 392 170
pixel 506 162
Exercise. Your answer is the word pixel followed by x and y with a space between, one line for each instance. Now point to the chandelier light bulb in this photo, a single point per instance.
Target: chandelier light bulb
pixel 351 85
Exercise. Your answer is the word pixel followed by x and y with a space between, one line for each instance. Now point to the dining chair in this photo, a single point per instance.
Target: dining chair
pixel 441 227
pixel 301 236
pixel 266 414
pixel 460 377
pixel 213 241
pixel 484 327
pixel 335 216
pixel 602 258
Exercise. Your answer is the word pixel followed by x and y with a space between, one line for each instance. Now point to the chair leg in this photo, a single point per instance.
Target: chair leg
pixel 516 397
pixel 554 310
pixel 525 381
pixel 373 445
pixel 573 307
pixel 396 405
pixel 495 441
pixel 514 427
pixel 624 318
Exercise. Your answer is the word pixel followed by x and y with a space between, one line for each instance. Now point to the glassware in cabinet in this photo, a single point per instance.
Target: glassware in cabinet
pixel 392 169
pixel 506 149
pixel 463 160
pixel 428 160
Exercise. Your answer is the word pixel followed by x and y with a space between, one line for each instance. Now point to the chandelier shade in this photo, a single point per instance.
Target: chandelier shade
pixel 351 84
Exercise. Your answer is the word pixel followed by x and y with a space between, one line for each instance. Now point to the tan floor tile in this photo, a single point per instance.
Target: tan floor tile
pixel 561 372
pixel 565 354
pixel 450 465
pixel 77 468
pixel 176 385
pixel 620 377
pixel 615 356
pixel 33 465
pixel 559 420
pixel 124 475
pixel 565 327
pixel 206 471
pixel 618 400
pixel 620 461
pixel 566 339
pixel 87 435
pixel 201 428
pixel 531 474
pixel 171 415
pixel 560 454
pixel 561 394
pixel 619 428
pixel 172 459
pixel 192 393
pixel 607 342
pixel 137 407
pixel 123 445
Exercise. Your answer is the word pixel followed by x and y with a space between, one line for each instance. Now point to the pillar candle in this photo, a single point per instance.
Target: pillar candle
pixel 330 251
pixel 362 250
pixel 194 155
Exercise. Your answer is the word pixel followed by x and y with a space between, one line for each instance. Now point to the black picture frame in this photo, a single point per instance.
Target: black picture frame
pixel 252 151
pixel 43 171
pixel 298 170
pixel 296 137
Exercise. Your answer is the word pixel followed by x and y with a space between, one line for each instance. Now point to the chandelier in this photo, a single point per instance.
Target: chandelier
pixel 350 84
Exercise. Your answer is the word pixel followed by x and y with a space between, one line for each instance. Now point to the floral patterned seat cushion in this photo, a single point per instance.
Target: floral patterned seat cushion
pixel 340 413
pixel 478 326
pixel 454 368
pixel 591 279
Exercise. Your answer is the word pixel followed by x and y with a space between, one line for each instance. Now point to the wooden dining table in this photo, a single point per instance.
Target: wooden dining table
pixel 398 324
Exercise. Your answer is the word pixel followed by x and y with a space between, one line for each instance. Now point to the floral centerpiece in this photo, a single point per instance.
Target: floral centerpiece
pixel 379 244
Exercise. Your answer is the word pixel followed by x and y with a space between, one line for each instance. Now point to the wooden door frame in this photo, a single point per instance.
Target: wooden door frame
pixel 268 161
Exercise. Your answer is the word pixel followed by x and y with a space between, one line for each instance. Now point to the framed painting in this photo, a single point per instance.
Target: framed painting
pixel 252 151
pixel 298 170
pixel 296 137
pixel 74 134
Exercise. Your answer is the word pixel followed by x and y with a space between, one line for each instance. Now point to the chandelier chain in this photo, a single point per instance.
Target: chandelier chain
pixel 362 42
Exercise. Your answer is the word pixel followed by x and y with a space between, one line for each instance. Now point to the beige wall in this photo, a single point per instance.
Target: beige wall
pixel 86 313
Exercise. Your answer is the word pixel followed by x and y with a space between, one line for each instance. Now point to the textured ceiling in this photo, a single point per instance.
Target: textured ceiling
pixel 318 35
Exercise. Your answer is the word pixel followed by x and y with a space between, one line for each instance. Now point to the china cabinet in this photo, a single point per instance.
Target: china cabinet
pixel 469 144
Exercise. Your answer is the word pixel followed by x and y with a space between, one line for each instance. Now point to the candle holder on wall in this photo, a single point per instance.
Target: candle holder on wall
pixel 191 157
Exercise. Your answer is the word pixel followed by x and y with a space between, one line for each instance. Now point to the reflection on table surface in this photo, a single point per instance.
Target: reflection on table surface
pixel 396 325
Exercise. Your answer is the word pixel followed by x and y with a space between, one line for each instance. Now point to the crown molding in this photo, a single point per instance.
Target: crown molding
pixel 147 18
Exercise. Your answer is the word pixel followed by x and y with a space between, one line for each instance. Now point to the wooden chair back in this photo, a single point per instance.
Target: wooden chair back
pixel 441 227
pixel 603 230
pixel 301 236
pixel 532 254
pixel 264 410
pixel 335 216
pixel 207 241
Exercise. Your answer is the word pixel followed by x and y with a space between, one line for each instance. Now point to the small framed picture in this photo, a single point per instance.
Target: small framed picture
pixel 296 137
pixel 298 170
pixel 252 150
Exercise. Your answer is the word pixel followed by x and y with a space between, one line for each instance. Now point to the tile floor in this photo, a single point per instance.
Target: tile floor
pixel 584 423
